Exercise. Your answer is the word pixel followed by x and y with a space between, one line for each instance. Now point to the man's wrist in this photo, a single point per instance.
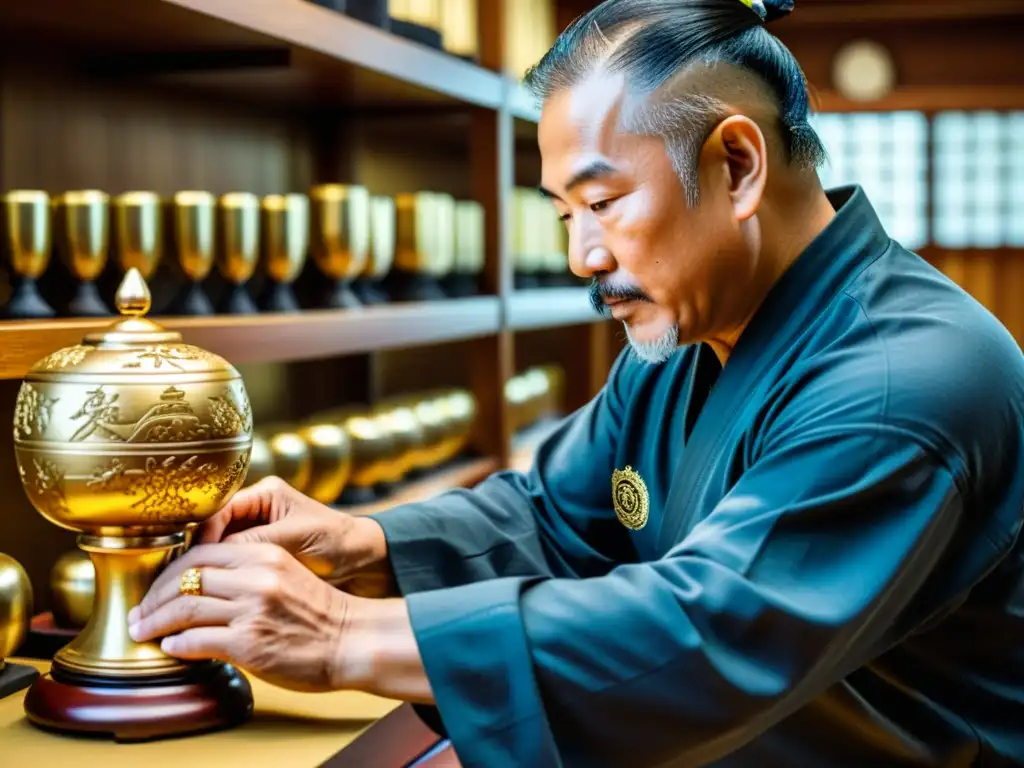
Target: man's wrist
pixel 378 652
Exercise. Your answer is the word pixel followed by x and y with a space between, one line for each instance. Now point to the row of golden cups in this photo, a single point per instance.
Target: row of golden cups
pixel 354 454
pixel 347 233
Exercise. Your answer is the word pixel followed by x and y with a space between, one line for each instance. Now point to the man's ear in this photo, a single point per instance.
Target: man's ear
pixel 738 145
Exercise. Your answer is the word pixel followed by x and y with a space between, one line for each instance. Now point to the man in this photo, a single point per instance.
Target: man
pixel 785 532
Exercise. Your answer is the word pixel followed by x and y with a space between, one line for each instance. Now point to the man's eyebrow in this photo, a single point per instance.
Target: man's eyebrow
pixel 591 171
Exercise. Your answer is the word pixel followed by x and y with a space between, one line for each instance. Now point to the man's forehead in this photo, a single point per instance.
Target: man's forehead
pixel 587 115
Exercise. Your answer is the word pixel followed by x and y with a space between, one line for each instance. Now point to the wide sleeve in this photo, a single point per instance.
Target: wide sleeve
pixel 550 521
pixel 805 570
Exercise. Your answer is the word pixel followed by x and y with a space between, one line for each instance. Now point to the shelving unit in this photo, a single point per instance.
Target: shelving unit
pixel 274 96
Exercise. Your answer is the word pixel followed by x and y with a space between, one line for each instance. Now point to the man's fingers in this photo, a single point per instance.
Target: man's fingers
pixel 264 502
pixel 203 643
pixel 184 613
pixel 167 585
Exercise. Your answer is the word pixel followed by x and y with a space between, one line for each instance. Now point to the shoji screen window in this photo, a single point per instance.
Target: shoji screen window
pixel 979 179
pixel 887 154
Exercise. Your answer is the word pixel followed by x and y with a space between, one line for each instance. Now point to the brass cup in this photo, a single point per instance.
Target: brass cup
pixel 72 589
pixel 517 399
pixel 372 447
pixel 261 461
pixel 424 247
pixel 382 249
pixel 138 232
pixel 27 225
pixel 340 239
pixel 238 248
pixel 330 460
pixel 293 461
pixel 284 244
pixel 410 441
pixel 527 237
pixel 461 408
pixel 539 394
pixel 190 227
pixel 469 249
pixel 436 424
pixel 82 237
pixel 15 606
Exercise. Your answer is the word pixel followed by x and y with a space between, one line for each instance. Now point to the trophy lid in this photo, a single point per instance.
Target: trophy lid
pixel 133 344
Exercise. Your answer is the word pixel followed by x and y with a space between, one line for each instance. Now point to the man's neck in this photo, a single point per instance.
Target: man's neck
pixel 781 246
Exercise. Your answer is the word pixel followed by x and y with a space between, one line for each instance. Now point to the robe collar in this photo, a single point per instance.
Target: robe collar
pixel 851 240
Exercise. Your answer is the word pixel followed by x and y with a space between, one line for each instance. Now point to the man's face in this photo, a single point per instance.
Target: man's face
pixel 657 265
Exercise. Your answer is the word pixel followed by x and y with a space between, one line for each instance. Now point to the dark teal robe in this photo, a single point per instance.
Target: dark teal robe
pixel 830 575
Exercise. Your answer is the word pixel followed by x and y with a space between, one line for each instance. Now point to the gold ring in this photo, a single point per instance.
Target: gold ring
pixel 191 583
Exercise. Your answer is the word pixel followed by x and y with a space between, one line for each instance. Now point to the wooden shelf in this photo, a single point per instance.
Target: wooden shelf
pixel 275 338
pixel 549 308
pixel 284 51
pixel 464 474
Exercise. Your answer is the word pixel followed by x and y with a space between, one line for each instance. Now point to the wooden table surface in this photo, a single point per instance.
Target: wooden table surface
pixel 287 729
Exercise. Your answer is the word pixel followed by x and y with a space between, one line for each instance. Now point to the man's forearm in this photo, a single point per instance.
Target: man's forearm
pixel 378 653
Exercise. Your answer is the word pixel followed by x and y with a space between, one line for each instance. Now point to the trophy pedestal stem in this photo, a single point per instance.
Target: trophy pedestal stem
pixel 26 302
pixel 238 302
pixel 206 697
pixel 87 302
pixel 342 296
pixel 104 682
pixel 15 677
pixel 193 302
pixel 369 293
pixel 279 297
pixel 414 286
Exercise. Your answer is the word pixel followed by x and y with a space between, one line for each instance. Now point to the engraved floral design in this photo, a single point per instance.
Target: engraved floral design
pixel 228 419
pixel 162 355
pixel 49 488
pixel 63 358
pixel 164 487
pixel 100 411
pixel 31 412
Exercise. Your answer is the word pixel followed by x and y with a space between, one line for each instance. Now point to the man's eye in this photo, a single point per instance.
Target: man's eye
pixel 564 216
pixel 600 206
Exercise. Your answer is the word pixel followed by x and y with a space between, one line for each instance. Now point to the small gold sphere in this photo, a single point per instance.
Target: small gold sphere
pixel 293 461
pixel 330 461
pixel 15 606
pixel 261 461
pixel 72 589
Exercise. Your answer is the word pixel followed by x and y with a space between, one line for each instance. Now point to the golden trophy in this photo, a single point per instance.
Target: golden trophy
pixel 292 459
pixel 470 244
pixel 137 236
pixel 261 461
pixel 15 618
pixel 72 589
pixel 26 247
pixel 340 240
pixel 527 237
pixel 190 227
pixel 82 237
pixel 421 248
pixel 131 438
pixel 382 250
pixel 330 454
pixel 238 248
pixel 284 243
pixel 372 448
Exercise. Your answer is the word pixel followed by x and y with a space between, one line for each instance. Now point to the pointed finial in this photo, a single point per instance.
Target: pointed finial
pixel 133 297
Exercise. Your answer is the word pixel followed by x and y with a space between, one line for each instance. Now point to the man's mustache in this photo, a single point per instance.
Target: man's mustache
pixel 602 292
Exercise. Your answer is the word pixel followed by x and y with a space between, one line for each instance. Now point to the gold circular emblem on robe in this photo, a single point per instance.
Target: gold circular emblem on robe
pixel 629 496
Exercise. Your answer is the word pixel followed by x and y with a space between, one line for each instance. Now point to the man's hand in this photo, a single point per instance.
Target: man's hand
pixel 347 551
pixel 260 610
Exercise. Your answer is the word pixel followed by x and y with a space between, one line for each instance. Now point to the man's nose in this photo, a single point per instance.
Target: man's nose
pixel 589 257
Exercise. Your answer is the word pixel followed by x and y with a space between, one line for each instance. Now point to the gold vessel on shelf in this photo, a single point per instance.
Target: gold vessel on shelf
pixel 292 460
pixel 330 454
pixel 261 461
pixel 130 438
pixel 72 589
pixel 15 606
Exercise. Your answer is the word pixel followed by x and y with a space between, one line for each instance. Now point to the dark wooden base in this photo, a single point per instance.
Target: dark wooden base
pixel 210 697
pixel 16 677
